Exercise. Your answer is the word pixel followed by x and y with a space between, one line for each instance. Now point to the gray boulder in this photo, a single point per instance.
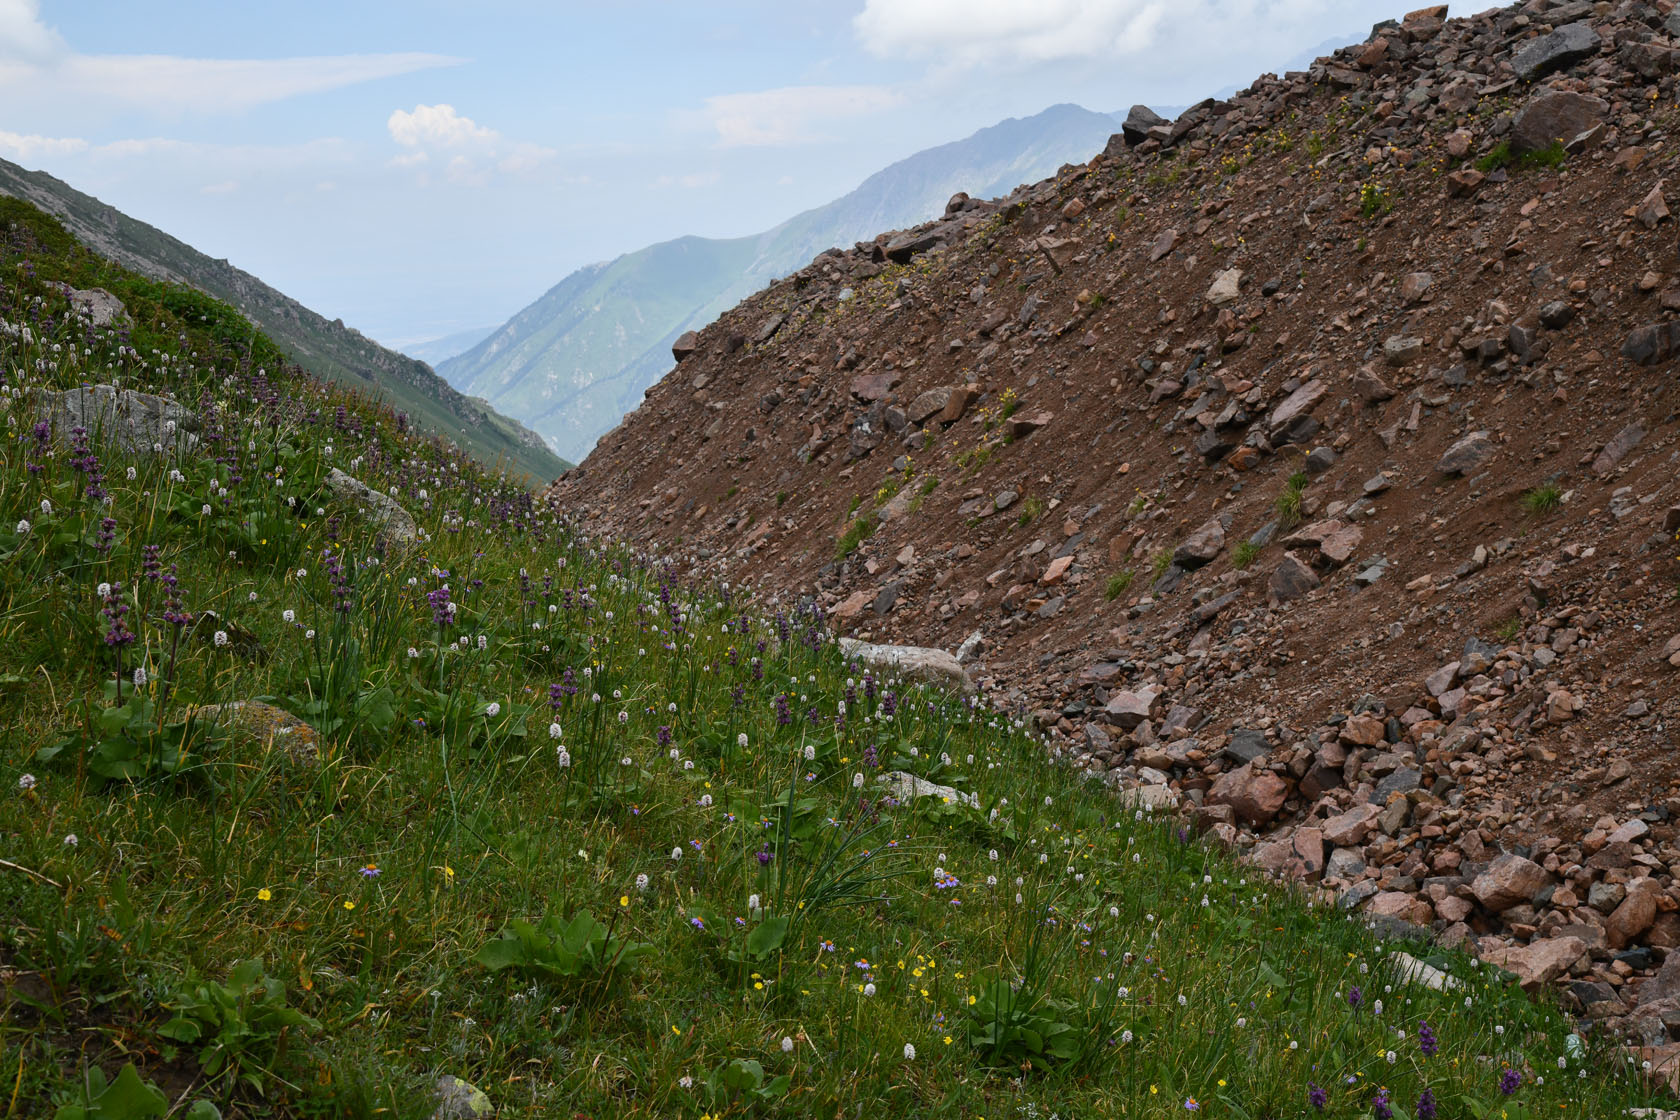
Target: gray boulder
pixel 395 524
pixel 1560 50
pixel 1138 123
pixel 1467 454
pixel 130 420
pixel 932 666
pixel 1201 546
pixel 100 306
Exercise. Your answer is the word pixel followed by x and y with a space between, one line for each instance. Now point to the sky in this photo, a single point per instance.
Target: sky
pixel 423 167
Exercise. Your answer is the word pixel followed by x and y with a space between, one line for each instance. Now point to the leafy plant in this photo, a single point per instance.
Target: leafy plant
pixel 1244 554
pixel 582 949
pixel 129 1097
pixel 739 1082
pixel 1031 510
pixel 1159 563
pixel 126 1098
pixel 240 1028
pixel 1011 1027
pixel 1118 583
pixel 131 742
pixel 1374 201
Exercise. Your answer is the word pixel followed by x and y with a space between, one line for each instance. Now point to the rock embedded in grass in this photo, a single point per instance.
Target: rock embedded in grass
pixel 920 663
pixel 254 721
pixel 128 419
pixel 394 523
pixel 461 1100
pixel 904 787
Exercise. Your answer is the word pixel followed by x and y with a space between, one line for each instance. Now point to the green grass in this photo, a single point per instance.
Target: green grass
pixel 1031 510
pixel 859 530
pixel 1159 563
pixel 1542 499
pixel 601 842
pixel 1244 554
pixel 1508 629
pixel 1502 155
pixel 1118 584
pixel 1289 503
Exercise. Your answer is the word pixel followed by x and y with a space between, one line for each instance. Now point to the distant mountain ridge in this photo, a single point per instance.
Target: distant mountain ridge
pixel 578 358
pixel 434 351
pixel 326 348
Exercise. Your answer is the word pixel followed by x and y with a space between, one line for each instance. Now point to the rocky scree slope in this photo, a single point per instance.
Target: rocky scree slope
pixel 1309 460
pixel 326 348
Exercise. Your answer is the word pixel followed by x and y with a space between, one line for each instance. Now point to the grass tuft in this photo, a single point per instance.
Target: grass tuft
pixel 1543 499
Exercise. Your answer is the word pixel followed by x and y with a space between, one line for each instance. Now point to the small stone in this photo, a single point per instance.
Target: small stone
pixel 1401 350
pixel 1467 454
pixel 1638 909
pixel 1128 709
pixel 1256 795
pixel 1201 546
pixel 1163 244
pixel 1371 388
pixel 904 788
pixel 1465 182
pixel 1225 287
pixel 1509 880
pixel 1617 449
pixel 1540 962
pixel 1291 579
pixel 1653 208
pixel 1415 286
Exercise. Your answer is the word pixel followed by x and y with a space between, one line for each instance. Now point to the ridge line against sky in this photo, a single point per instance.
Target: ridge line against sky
pixel 421 168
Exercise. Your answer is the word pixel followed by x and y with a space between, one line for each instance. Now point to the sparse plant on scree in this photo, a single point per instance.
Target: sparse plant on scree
pixel 300 813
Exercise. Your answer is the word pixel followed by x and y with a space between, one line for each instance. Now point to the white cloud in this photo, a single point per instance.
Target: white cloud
pixel 28 147
pixel 774 117
pixel 22 34
pixel 971 32
pixel 437 126
pixel 36 63
pixel 474 150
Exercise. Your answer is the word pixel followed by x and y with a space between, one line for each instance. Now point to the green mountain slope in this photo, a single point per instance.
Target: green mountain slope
pixel 326 348
pixel 575 361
